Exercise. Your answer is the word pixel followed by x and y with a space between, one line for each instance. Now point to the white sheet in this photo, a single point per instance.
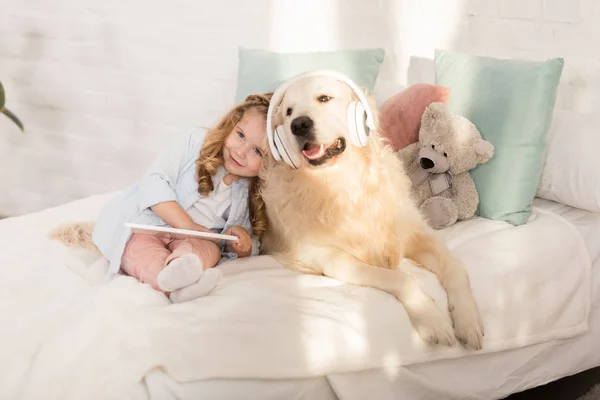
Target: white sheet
pixel 493 375
pixel 72 338
pixel 158 385
pixel 490 376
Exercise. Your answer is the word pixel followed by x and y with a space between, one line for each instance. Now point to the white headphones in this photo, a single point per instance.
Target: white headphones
pixel 359 114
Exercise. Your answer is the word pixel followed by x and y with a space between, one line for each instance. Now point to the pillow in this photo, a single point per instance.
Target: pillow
pixel 400 115
pixel 261 71
pixel 570 174
pixel 384 89
pixel 511 102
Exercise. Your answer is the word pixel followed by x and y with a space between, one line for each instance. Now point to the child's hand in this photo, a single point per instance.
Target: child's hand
pixel 243 247
pixel 192 226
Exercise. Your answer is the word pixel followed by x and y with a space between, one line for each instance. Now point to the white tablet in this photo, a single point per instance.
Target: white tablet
pixel 154 230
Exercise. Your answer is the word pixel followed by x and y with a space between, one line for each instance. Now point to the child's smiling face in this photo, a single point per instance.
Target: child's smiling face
pixel 246 145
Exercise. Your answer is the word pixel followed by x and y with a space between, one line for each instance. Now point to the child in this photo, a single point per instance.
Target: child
pixel 206 182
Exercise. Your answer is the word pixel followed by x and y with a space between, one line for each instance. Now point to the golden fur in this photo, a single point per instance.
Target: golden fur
pixel 352 218
pixel 341 207
pixel 76 235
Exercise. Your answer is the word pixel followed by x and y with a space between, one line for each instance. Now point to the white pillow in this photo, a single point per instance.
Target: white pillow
pixel 384 89
pixel 571 173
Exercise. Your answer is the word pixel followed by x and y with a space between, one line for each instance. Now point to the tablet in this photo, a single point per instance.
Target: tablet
pixel 157 230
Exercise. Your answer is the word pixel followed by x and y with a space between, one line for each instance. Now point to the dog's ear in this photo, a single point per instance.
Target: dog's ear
pixel 354 97
pixel 267 163
pixel 277 114
pixel 365 93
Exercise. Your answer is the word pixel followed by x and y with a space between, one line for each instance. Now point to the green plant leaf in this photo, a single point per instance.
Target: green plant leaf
pixel 2 99
pixel 13 118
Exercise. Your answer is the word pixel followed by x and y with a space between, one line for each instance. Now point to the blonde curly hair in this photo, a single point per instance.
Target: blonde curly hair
pixel 211 157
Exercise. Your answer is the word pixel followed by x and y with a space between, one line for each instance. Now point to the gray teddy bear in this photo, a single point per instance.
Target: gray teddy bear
pixel 439 163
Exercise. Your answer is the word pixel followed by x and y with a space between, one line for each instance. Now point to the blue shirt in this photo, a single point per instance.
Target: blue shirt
pixel 172 176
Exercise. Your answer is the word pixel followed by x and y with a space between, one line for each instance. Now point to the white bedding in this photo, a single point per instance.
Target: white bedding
pixel 493 375
pixel 485 377
pixel 73 334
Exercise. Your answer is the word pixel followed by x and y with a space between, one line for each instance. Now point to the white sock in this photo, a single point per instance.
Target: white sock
pixel 206 284
pixel 180 272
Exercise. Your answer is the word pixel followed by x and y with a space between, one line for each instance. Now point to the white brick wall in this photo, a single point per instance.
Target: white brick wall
pixel 102 85
pixel 531 29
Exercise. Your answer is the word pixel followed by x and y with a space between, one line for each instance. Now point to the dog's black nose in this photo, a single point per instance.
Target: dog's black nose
pixel 426 163
pixel 301 126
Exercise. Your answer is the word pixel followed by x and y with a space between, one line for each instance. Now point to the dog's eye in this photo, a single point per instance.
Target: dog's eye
pixel 324 98
pixel 433 146
pixel 445 155
pixel 289 111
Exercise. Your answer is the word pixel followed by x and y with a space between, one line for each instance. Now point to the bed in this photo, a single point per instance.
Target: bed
pixel 72 331
pixel 489 376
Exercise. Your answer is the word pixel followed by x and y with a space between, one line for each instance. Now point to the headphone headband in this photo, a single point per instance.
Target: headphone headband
pixel 280 91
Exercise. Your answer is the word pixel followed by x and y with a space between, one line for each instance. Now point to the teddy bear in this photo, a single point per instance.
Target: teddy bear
pixel 438 166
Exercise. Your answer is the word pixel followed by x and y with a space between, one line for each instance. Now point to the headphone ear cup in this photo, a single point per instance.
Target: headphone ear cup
pixel 357 127
pixel 285 152
pixel 275 145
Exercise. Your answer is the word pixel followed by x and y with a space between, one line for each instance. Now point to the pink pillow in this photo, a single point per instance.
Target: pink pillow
pixel 400 115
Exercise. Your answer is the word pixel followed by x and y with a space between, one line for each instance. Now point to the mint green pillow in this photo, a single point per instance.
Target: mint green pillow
pixel 511 102
pixel 261 71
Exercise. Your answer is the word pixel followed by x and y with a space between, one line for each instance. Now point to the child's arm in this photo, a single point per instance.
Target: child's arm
pixel 249 244
pixel 158 183
pixel 243 247
pixel 172 213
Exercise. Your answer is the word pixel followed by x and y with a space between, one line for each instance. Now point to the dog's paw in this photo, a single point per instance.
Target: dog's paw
pixel 433 325
pixel 468 325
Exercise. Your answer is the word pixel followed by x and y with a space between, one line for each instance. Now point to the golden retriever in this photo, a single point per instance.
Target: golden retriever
pixel 346 213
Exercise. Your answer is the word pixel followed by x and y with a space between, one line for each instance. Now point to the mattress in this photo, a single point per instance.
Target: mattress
pixel 488 376
pixel 75 331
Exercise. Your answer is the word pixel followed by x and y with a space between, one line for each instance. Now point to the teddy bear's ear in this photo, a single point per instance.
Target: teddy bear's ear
pixel 434 115
pixel 484 150
pixel 433 111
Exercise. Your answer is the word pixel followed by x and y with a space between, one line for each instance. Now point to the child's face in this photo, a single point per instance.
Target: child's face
pixel 246 144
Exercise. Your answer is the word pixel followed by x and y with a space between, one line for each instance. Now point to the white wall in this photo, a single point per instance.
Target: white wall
pixel 102 85
pixel 526 29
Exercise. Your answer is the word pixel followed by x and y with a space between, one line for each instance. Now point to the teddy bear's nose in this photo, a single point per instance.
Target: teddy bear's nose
pixel 426 163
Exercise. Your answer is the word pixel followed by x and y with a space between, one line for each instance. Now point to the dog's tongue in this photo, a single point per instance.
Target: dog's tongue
pixel 314 151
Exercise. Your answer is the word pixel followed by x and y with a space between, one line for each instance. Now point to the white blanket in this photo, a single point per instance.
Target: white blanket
pixel 70 331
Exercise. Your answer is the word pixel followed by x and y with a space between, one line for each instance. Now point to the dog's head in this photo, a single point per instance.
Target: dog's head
pixel 313 113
